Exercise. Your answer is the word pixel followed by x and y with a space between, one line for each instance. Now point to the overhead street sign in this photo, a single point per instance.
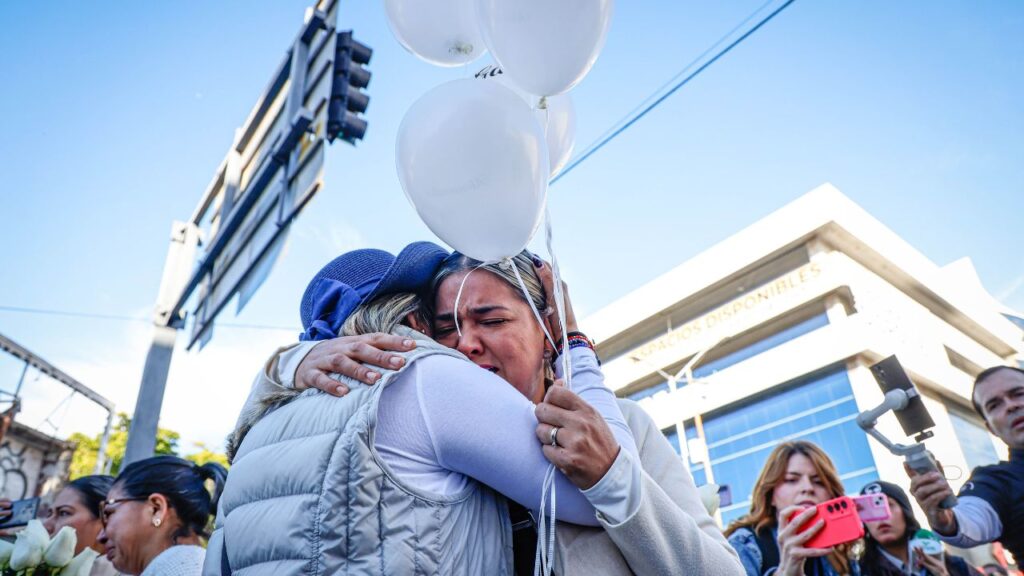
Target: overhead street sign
pixel 272 169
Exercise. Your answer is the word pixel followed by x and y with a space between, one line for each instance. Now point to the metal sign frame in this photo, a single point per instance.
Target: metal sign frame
pixel 32 360
pixel 272 170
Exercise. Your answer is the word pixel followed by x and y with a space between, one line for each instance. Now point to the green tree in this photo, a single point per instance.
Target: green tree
pixel 83 462
pixel 205 455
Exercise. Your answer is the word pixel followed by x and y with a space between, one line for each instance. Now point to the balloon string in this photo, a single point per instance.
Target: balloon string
pixel 526 294
pixel 543 560
pixel 545 556
pixel 555 269
pixel 458 296
pixel 542 104
pixel 522 286
pixel 559 299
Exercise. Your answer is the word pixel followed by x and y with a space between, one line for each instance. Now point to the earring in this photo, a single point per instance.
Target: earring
pixel 156 522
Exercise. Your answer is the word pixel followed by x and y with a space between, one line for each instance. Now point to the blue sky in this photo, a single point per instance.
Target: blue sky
pixel 117 114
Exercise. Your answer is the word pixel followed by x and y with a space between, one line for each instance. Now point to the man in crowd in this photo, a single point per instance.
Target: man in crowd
pixel 991 502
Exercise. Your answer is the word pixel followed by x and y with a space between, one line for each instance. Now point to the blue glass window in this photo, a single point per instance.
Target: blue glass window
pixel 821 410
pixel 648 392
pixel 777 339
pixel 700 477
pixel 673 437
pixel 974 440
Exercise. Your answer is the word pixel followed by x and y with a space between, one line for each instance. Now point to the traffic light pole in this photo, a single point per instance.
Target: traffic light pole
pixel 177 272
pixel 142 434
pixel 324 75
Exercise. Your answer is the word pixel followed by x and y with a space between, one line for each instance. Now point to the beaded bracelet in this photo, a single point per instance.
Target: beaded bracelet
pixel 576 340
pixel 579 340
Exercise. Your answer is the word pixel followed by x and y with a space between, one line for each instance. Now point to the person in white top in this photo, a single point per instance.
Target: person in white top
pixel 497 330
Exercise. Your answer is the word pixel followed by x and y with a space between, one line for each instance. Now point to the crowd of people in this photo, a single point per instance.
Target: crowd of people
pixel 377 445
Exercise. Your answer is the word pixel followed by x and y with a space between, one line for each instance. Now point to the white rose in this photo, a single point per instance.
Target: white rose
pixel 80 565
pixel 29 546
pixel 62 548
pixel 5 552
pixel 709 497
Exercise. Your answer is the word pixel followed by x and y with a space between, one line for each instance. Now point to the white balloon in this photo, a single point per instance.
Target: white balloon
pixel 442 32
pixel 545 46
pixel 472 159
pixel 558 120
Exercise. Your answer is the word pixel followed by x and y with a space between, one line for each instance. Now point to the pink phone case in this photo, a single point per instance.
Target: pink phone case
pixel 872 507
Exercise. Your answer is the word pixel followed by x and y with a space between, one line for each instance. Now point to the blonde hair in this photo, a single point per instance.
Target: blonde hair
pixel 383 314
pixel 763 514
pixel 523 262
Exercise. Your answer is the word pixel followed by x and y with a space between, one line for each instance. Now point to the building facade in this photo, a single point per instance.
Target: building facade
pixel 769 336
pixel 32 463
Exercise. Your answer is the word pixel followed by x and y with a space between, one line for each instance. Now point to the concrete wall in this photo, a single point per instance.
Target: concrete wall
pixel 31 463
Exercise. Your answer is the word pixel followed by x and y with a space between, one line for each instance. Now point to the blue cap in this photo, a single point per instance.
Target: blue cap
pixel 360 276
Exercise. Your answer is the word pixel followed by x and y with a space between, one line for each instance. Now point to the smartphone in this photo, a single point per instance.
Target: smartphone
pixel 842 524
pixel 914 418
pixel 21 512
pixel 872 507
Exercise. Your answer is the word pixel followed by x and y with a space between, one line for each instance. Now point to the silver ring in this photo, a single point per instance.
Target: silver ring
pixel 553 436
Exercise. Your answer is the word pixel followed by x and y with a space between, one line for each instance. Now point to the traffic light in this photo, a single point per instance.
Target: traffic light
pixel 348 100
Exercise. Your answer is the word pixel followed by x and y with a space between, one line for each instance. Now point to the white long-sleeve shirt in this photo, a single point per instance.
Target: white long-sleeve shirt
pixel 444 420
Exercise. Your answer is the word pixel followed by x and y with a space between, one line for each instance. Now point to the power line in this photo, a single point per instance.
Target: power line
pixel 632 118
pixel 43 311
pixel 121 318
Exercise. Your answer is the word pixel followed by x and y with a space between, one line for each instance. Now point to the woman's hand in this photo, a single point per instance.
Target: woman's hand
pixel 934 566
pixel 346 355
pixel 547 279
pixel 792 552
pixel 586 447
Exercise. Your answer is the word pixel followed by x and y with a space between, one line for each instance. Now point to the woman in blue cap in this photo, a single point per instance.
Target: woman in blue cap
pixel 652 520
pixel 394 478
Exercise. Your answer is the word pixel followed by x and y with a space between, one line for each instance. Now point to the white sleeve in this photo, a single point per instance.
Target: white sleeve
pixel 588 383
pixel 977 523
pixel 618 493
pixel 484 428
pixel 288 360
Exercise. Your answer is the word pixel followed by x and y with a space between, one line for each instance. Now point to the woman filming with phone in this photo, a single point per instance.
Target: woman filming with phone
pixel 775 536
pixel 893 547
